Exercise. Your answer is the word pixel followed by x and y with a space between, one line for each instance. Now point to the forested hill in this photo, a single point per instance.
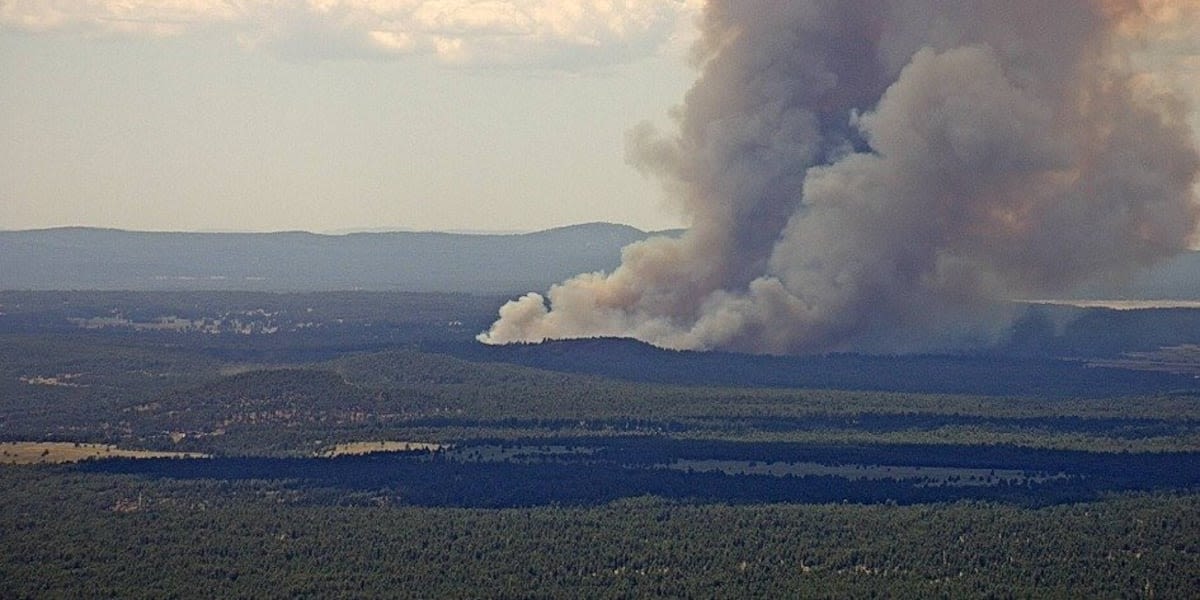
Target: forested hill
pixel 85 258
pixel 993 374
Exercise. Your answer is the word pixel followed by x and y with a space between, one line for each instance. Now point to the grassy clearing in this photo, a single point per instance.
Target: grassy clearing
pixel 32 453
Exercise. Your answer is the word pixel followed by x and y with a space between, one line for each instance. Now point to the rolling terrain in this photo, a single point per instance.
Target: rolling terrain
pixel 363 444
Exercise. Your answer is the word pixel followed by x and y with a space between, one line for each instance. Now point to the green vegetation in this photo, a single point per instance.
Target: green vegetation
pixel 92 536
pixel 60 387
pixel 550 484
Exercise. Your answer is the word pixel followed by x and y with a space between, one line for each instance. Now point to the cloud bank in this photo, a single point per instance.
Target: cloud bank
pixel 554 33
pixel 882 175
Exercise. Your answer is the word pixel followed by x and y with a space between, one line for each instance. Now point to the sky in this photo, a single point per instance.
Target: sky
pixel 334 115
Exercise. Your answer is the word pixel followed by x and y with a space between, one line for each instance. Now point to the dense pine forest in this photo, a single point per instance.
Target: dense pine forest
pixel 363 445
pixel 76 535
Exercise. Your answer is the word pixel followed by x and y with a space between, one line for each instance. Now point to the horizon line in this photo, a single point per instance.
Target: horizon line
pixel 340 232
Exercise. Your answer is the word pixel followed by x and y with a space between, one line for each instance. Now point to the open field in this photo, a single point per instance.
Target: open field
pixel 29 453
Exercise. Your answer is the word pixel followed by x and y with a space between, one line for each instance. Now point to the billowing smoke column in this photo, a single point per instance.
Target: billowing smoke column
pixel 880 175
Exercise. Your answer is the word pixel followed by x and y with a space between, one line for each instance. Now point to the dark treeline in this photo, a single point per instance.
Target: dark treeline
pixel 624 467
pixel 994 375
pixel 871 423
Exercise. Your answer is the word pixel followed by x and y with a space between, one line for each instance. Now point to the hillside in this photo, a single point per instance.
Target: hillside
pixel 987 374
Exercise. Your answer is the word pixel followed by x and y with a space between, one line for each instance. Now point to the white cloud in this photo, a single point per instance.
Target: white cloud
pixel 162 17
pixel 559 33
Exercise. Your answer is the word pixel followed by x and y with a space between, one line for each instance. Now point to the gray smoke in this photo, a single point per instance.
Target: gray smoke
pixel 884 174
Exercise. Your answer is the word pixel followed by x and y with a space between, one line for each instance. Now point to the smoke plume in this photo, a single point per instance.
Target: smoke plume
pixel 882 175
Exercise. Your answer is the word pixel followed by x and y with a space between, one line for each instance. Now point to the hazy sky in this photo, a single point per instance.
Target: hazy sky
pixel 327 115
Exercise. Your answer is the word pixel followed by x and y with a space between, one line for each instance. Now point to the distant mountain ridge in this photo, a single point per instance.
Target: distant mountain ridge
pixel 416 261
pixel 111 259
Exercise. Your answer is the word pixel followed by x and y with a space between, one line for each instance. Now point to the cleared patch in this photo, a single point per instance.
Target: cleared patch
pixel 32 453
pixel 360 448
